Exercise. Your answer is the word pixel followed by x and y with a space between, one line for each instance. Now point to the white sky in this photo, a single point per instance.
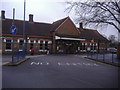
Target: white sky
pixel 43 10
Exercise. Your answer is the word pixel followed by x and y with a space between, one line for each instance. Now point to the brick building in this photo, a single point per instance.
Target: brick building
pixel 61 36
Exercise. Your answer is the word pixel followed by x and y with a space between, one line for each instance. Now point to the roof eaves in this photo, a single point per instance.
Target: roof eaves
pixel 60 22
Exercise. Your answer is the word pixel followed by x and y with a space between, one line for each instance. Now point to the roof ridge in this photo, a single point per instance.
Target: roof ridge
pixel 61 19
pixel 28 21
pixel 57 23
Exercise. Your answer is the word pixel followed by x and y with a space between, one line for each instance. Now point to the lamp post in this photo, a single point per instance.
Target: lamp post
pixel 24 29
pixel 13 37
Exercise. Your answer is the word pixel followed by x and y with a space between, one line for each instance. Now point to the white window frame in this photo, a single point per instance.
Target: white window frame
pixel 34 41
pixel 8 50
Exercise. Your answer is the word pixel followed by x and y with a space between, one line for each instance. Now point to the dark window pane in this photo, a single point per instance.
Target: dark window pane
pixel 20 44
pixel 46 44
pixel 8 44
pixel 41 44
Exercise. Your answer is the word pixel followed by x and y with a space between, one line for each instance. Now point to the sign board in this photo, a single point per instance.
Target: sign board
pixel 13 29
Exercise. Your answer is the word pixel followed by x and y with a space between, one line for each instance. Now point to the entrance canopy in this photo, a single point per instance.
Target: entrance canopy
pixel 65 38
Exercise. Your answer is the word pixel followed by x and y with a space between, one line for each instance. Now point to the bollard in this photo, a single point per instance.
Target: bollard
pixel 103 56
pixel 97 56
pixel 112 57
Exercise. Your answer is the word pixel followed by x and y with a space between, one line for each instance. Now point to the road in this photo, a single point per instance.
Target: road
pixel 60 71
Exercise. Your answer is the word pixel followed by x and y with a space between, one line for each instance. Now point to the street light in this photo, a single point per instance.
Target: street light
pixel 24 29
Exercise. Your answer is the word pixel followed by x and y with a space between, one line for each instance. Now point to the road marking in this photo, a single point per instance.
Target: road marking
pixel 96 64
pixel 47 63
pixel 65 64
pixel 39 63
pixel 58 63
pixel 74 64
pixel 79 63
pixel 36 63
pixel 3 63
pixel 35 56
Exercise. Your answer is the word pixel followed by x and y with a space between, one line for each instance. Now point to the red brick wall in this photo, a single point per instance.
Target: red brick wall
pixel 67 28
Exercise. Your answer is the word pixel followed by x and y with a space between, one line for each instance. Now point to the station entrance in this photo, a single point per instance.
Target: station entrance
pixel 67 46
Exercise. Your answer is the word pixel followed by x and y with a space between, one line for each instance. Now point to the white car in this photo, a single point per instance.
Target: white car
pixel 112 50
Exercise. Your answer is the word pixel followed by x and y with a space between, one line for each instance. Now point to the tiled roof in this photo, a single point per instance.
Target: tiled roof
pixel 38 29
pixel 90 34
pixel 56 24
pixel 44 29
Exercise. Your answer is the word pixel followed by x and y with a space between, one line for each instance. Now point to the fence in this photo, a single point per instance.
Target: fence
pixel 17 56
pixel 105 56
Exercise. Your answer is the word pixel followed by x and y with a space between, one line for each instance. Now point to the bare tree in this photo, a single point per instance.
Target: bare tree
pixel 97 13
pixel 111 38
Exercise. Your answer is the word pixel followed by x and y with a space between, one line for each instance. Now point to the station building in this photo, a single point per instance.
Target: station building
pixel 61 36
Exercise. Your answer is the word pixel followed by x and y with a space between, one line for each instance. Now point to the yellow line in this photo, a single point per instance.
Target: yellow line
pixel 36 55
pixel 3 63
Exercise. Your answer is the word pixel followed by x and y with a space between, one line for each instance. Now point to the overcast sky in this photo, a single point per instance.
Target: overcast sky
pixel 44 11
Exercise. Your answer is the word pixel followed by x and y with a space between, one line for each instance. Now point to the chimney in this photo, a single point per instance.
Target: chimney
pixel 81 25
pixel 3 14
pixel 30 17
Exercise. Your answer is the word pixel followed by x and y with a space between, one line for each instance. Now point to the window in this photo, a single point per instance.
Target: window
pixel 31 44
pixel 80 46
pixel 41 44
pixel 92 47
pixel 36 41
pixel 20 44
pixel 84 46
pixel 8 44
pixel 46 44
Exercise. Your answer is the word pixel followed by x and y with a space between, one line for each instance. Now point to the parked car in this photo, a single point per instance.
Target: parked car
pixel 112 50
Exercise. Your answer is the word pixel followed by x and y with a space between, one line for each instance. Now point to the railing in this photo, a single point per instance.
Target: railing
pixel 19 55
pixel 104 56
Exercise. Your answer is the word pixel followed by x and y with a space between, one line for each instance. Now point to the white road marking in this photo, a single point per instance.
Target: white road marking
pixel 74 64
pixel 79 63
pixel 65 64
pixel 36 63
pixel 39 63
pixel 47 63
pixel 96 64
pixel 59 63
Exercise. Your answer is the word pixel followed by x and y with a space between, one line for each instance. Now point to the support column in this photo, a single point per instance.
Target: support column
pixel 118 51
pixel 53 43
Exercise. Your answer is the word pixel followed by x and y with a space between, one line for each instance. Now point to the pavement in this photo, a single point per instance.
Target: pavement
pixel 7 60
pixel 60 71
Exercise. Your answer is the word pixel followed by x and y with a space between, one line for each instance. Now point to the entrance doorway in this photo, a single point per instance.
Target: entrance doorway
pixel 67 47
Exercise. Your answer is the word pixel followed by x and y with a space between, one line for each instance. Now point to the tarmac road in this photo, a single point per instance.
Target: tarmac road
pixel 56 71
